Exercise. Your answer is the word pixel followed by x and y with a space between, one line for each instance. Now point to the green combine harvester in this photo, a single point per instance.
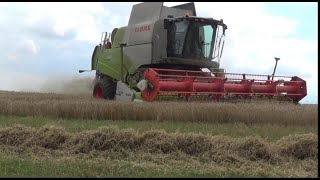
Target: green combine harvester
pixel 169 53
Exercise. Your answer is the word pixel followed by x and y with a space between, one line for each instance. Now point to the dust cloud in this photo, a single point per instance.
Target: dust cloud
pixel 69 85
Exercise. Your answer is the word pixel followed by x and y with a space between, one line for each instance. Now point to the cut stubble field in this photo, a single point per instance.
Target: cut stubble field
pixel 61 135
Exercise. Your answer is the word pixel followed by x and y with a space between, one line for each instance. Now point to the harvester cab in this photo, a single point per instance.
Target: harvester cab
pixel 171 53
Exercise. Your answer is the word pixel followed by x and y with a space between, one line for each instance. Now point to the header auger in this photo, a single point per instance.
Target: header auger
pixel 163 52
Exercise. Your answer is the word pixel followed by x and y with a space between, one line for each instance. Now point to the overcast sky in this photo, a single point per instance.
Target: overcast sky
pixel 40 41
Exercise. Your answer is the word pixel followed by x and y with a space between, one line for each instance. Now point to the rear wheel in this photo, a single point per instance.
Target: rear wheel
pixel 105 88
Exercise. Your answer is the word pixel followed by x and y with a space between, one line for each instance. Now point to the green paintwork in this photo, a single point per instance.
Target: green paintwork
pixel 137 95
pixel 118 38
pixel 108 61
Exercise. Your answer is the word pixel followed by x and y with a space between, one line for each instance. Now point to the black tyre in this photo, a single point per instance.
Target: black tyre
pixel 105 88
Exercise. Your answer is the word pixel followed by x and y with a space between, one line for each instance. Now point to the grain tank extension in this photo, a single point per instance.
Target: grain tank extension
pixel 168 53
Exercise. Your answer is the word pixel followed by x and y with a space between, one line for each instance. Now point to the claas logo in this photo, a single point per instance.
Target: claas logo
pixel 142 28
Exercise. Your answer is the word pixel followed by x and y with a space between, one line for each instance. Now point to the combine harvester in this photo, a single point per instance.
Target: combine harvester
pixel 167 52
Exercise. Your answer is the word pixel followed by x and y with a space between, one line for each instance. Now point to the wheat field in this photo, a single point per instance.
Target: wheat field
pixel 86 107
pixel 75 135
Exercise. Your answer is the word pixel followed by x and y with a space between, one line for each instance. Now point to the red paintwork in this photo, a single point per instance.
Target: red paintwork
pixel 99 94
pixel 187 83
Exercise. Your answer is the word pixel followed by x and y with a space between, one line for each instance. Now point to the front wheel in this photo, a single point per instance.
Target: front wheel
pixel 105 88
